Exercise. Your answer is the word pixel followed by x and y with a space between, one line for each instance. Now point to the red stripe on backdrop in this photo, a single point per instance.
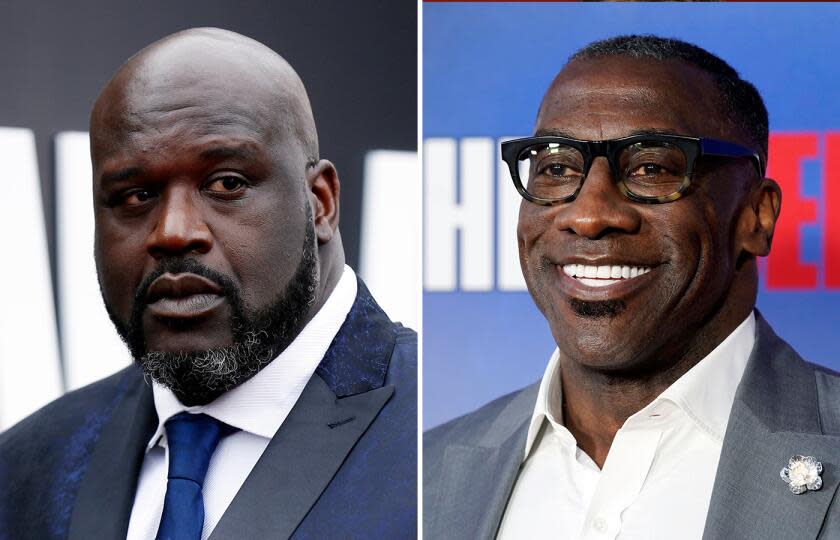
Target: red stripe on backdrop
pixel 831 196
pixel 785 270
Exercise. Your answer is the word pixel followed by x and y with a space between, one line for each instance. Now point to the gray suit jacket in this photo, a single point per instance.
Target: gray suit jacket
pixel 784 406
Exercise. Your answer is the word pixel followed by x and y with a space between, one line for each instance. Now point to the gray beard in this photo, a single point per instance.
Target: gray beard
pixel 199 377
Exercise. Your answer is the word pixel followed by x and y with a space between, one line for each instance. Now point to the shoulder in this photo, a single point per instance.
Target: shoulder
pixel 828 397
pixel 50 425
pixel 784 390
pixel 828 378
pixel 43 457
pixel 482 425
pixel 400 373
pixel 402 366
pixel 774 347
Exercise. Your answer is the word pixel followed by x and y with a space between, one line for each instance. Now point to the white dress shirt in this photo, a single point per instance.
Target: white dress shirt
pixel 658 476
pixel 257 407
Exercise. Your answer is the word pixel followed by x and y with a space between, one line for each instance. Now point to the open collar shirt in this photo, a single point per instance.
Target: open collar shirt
pixel 657 480
pixel 257 408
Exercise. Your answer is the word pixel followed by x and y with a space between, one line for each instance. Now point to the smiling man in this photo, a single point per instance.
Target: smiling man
pixel 271 396
pixel 670 409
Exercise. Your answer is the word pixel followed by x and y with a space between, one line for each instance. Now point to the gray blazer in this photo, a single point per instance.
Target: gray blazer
pixel 784 406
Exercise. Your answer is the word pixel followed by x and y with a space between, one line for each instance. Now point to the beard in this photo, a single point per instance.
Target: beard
pixel 198 377
pixel 597 309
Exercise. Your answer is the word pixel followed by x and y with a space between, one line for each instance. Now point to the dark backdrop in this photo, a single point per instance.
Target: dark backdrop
pixel 357 59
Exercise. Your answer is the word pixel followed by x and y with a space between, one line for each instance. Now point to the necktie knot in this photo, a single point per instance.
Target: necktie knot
pixel 192 438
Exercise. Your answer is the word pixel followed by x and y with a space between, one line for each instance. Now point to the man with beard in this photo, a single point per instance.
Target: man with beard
pixel 670 409
pixel 271 396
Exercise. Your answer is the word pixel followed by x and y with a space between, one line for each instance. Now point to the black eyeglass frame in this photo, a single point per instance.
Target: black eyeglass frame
pixel 692 148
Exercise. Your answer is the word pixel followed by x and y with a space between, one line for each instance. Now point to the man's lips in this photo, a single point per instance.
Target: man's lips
pixel 606 280
pixel 183 296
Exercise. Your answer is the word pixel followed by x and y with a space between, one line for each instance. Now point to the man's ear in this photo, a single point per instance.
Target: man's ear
pixel 324 189
pixel 758 219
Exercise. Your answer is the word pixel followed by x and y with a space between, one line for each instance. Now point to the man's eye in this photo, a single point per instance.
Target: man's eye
pixel 137 197
pixel 647 169
pixel 559 170
pixel 225 184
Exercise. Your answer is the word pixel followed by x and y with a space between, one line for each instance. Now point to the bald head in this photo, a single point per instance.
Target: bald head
pixel 206 170
pixel 212 68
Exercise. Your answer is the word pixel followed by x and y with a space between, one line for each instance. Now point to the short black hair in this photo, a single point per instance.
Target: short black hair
pixel 739 99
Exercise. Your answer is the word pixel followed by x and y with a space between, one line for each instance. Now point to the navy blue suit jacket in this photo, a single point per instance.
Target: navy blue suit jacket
pixel 342 465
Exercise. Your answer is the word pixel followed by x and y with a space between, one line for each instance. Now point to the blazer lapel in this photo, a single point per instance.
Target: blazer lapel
pixel 299 462
pixel 775 415
pixel 480 477
pixel 335 409
pixel 106 494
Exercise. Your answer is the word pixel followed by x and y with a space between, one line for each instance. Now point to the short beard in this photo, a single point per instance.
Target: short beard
pixel 597 309
pixel 199 377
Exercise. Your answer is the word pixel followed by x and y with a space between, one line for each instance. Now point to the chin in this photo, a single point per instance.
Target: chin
pixel 604 345
pixel 190 345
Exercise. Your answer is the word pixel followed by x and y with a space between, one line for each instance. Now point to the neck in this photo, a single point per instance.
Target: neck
pixel 331 260
pixel 596 404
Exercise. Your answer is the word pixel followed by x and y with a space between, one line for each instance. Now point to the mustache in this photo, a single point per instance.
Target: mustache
pixel 182 265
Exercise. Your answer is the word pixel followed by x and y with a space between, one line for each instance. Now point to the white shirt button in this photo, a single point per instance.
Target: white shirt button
pixel 599 524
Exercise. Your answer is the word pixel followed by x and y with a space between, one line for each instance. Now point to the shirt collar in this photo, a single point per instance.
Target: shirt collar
pixel 549 404
pixel 705 392
pixel 261 404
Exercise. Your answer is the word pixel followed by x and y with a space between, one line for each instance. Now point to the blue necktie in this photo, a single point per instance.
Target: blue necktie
pixel 191 439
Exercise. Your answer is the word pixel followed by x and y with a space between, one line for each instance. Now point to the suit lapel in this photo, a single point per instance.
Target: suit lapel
pixel 480 477
pixel 106 494
pixel 775 415
pixel 299 462
pixel 335 409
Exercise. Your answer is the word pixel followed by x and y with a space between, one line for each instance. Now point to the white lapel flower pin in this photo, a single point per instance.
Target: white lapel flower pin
pixel 803 474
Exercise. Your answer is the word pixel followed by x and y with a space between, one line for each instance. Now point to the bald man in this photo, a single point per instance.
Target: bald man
pixel 270 396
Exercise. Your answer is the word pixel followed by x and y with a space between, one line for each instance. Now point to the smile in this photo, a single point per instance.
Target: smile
pixel 604 275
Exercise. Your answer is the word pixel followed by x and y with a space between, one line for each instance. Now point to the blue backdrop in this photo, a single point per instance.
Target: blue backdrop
pixel 485 68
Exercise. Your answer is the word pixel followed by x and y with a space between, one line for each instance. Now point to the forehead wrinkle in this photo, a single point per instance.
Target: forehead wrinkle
pixel 626 113
pixel 575 93
pixel 634 92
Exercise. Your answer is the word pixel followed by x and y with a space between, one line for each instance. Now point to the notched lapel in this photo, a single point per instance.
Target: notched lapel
pixel 476 487
pixel 476 479
pixel 300 461
pixel 775 416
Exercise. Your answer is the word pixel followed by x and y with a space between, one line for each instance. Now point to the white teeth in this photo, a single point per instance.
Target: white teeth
pixel 600 276
pixel 598 282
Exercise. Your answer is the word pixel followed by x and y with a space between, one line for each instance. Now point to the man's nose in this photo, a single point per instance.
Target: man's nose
pixel 599 208
pixel 180 227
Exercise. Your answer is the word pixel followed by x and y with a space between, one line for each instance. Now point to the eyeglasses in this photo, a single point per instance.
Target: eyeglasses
pixel 648 168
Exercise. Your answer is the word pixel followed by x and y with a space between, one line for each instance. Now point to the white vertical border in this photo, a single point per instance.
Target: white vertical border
pixel 30 369
pixel 419 197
